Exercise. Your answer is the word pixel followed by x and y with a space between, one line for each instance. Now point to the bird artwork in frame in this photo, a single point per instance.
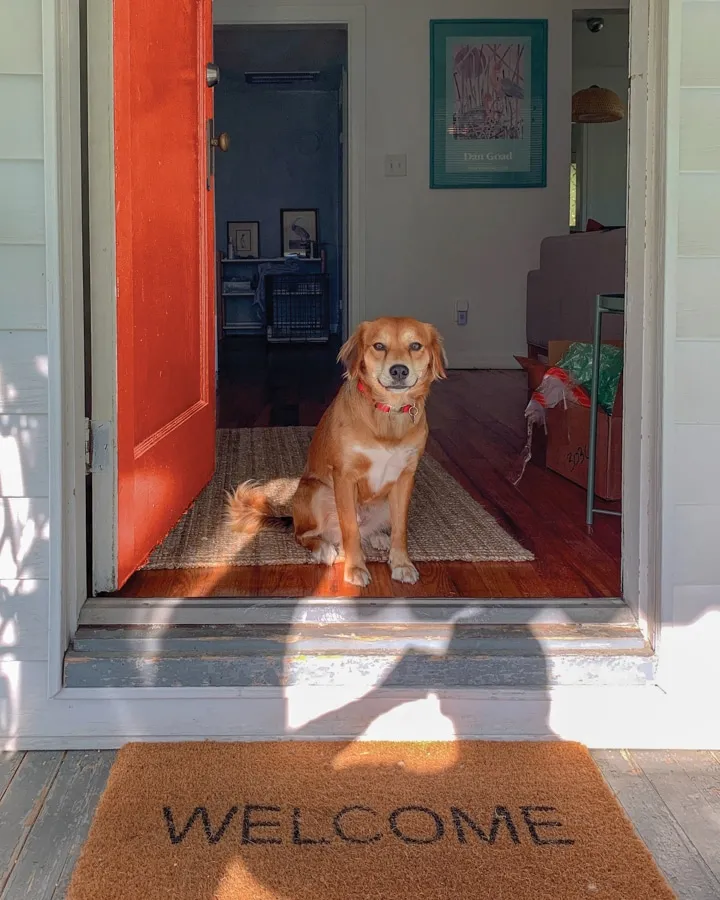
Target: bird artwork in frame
pixel 488 102
pixel 299 231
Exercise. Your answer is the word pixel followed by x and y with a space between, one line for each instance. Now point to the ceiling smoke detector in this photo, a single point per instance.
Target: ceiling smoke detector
pixel 595 24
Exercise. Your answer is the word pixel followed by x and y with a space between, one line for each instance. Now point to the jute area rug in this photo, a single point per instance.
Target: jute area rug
pixel 445 523
pixel 361 821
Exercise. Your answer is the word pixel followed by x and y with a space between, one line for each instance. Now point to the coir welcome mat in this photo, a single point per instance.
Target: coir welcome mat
pixel 378 821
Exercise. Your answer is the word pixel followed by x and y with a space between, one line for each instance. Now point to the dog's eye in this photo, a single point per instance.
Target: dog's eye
pixel 379 347
pixel 415 346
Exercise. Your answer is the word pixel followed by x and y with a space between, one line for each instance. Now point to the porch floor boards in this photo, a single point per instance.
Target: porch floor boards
pixel 477 432
pixel 47 800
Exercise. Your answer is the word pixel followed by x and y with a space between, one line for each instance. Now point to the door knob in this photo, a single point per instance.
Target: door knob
pixel 222 141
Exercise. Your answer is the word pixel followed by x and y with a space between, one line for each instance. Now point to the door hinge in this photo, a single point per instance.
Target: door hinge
pixel 97 446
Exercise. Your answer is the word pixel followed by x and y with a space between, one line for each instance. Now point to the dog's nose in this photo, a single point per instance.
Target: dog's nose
pixel 399 372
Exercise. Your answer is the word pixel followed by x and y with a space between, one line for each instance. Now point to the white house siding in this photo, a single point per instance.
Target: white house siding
pixel 23 358
pixel 692 475
pixel 691 498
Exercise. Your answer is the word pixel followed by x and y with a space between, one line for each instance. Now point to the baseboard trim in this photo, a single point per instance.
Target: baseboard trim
pixel 99 612
pixel 468 359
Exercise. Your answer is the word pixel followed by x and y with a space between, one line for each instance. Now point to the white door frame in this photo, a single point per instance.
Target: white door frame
pixel 644 316
pixel 64 276
pixel 102 293
pixel 645 284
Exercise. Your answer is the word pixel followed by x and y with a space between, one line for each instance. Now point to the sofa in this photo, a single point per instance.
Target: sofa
pixel 561 293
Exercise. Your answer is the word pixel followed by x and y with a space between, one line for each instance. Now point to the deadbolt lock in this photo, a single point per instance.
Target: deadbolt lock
pixel 212 74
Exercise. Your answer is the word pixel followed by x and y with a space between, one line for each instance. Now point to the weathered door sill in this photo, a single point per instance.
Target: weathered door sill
pixel 424 645
pixel 103 611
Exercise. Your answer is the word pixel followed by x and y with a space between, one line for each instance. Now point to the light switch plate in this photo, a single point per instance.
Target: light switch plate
pixel 396 165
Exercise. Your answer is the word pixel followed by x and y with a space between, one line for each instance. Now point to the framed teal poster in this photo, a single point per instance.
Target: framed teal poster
pixel 488 103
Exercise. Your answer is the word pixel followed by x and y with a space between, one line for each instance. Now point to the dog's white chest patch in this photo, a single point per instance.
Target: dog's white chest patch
pixel 386 466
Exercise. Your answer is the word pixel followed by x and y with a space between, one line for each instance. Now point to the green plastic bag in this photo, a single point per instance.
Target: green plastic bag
pixel 577 362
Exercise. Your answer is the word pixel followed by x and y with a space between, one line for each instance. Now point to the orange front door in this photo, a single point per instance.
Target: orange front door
pixel 165 273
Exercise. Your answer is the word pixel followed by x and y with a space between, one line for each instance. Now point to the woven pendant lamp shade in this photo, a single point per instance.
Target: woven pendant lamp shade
pixel 595 105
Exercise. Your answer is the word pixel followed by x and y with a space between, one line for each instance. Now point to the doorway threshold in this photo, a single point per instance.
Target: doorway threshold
pixel 164 611
pixel 419 645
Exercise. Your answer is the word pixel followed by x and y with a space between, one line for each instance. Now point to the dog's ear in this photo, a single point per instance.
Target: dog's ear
pixel 351 352
pixel 438 358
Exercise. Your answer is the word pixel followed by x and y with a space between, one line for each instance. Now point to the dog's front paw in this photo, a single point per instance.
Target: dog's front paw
pixel 358 575
pixel 326 554
pixel 401 569
pixel 379 541
pixel 407 574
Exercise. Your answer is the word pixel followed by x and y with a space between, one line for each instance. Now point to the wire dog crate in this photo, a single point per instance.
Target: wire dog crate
pixel 297 308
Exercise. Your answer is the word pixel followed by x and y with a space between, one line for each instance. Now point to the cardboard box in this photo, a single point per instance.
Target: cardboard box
pixel 568 438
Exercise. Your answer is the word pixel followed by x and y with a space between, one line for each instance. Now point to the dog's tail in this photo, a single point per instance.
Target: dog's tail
pixel 249 511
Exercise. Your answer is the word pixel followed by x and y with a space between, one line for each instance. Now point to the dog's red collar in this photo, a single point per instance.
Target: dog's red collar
pixel 385 407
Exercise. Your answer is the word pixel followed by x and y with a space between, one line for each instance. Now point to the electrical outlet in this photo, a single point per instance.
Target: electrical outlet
pixel 461 313
pixel 395 165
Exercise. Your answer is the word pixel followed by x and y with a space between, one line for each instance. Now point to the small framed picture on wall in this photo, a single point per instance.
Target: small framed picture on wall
pixel 299 231
pixel 244 237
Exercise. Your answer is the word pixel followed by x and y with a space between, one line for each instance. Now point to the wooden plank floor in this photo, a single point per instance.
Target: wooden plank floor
pixel 47 801
pixel 477 432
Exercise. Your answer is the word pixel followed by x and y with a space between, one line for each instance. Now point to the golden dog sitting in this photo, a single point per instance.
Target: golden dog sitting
pixel 361 465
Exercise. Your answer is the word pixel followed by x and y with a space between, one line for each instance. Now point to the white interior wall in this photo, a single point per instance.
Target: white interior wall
pixel 427 250
pixel 602 59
